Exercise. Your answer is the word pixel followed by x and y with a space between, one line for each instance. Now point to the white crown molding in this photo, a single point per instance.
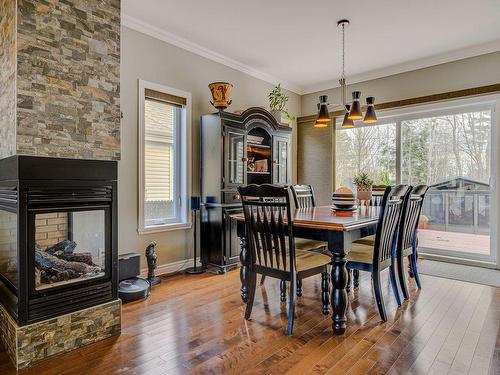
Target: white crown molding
pixel 155 32
pixel 463 53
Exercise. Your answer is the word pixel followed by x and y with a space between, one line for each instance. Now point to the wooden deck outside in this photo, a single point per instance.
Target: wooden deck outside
pixel 195 325
pixel 460 242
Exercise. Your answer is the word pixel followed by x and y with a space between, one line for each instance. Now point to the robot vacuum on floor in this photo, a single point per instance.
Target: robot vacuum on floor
pixel 133 289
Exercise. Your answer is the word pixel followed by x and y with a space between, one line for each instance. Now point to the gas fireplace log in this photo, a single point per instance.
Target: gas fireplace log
pixel 57 269
pixel 66 247
pixel 65 250
pixel 76 257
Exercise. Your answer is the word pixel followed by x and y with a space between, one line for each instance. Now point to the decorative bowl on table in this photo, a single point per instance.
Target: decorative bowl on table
pixel 343 199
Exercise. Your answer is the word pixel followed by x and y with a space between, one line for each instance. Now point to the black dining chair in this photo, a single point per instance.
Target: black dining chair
pixel 380 255
pixel 303 196
pixel 271 245
pixel 407 236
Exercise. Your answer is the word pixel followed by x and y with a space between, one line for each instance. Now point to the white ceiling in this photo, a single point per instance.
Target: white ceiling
pixel 297 42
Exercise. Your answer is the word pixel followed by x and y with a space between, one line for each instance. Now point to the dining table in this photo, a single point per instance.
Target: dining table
pixel 321 223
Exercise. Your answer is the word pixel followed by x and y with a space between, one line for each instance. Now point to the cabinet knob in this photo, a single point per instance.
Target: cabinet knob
pixel 236 197
pixel 244 160
pixel 275 161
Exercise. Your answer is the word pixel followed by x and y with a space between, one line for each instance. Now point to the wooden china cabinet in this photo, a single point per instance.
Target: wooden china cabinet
pixel 236 149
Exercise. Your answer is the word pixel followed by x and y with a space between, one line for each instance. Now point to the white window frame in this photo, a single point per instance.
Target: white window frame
pixel 486 102
pixel 183 161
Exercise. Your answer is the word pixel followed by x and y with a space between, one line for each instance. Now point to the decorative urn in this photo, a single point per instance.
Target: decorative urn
pixel 221 94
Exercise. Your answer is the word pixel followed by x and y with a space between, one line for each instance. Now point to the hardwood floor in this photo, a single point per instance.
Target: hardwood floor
pixel 194 324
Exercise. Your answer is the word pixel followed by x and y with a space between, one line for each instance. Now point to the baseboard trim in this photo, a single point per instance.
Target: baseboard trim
pixel 171 268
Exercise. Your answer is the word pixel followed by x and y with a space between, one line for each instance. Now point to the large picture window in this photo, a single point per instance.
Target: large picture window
pixel 366 149
pixel 163 177
pixel 448 149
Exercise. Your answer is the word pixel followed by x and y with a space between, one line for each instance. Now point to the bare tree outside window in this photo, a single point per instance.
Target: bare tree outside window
pixel 449 150
pixel 367 149
pixel 439 148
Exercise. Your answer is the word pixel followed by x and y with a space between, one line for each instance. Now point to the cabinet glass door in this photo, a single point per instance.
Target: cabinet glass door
pixel 236 158
pixel 280 160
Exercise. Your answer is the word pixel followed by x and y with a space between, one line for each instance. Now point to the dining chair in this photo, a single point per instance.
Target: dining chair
pixel 303 196
pixel 271 245
pixel 407 236
pixel 379 256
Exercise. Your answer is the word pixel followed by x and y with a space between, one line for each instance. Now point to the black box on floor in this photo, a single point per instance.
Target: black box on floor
pixel 129 266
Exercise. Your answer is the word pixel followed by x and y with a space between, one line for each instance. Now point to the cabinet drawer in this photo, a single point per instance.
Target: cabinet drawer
pixel 231 197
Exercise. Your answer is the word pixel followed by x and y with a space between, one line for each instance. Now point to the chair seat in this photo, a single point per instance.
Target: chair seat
pixel 360 253
pixel 310 245
pixel 307 260
pixel 304 260
pixel 367 240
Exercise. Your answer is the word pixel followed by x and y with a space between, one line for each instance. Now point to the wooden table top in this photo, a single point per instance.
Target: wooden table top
pixel 323 217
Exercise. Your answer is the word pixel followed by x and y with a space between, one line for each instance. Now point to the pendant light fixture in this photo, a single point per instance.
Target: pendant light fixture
pixel 323 118
pixel 347 123
pixel 353 111
pixel 370 116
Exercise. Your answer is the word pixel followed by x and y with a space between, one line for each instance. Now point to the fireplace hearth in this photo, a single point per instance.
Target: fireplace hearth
pixel 58 236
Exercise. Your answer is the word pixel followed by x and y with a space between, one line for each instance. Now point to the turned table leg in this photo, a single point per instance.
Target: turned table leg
pixel 339 294
pixel 244 270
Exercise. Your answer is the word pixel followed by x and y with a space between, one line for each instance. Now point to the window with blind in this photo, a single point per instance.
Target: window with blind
pixel 163 182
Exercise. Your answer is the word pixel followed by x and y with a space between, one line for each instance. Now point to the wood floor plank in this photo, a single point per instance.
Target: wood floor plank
pixel 194 324
pixel 419 339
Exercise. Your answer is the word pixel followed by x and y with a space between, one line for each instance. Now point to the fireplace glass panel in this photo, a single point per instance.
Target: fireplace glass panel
pixel 69 247
pixel 8 246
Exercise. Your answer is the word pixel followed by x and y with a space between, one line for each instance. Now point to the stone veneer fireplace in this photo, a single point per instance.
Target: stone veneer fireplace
pixel 59 143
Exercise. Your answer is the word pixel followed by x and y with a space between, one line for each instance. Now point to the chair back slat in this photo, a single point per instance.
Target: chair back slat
pixel 303 196
pixel 412 209
pixel 267 212
pixel 390 214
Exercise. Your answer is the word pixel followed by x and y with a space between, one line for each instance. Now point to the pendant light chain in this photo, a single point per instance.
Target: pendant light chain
pixel 343 51
pixel 343 88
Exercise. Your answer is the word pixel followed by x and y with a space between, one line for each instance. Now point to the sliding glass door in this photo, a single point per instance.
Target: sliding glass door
pixel 450 152
pixel 447 149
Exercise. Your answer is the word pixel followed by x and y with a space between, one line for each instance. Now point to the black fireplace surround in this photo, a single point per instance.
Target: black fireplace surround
pixel 58 235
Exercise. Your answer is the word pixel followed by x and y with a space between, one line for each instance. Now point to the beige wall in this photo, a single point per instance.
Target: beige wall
pixel 150 59
pixel 462 74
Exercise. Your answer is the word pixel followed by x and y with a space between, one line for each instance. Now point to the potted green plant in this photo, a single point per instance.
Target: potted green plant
pixel 364 185
pixel 277 104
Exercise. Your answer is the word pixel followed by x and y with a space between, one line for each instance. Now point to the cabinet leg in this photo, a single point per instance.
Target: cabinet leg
pixel 244 270
pixel 339 294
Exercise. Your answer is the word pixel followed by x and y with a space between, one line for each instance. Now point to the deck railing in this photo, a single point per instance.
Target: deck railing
pixel 466 211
